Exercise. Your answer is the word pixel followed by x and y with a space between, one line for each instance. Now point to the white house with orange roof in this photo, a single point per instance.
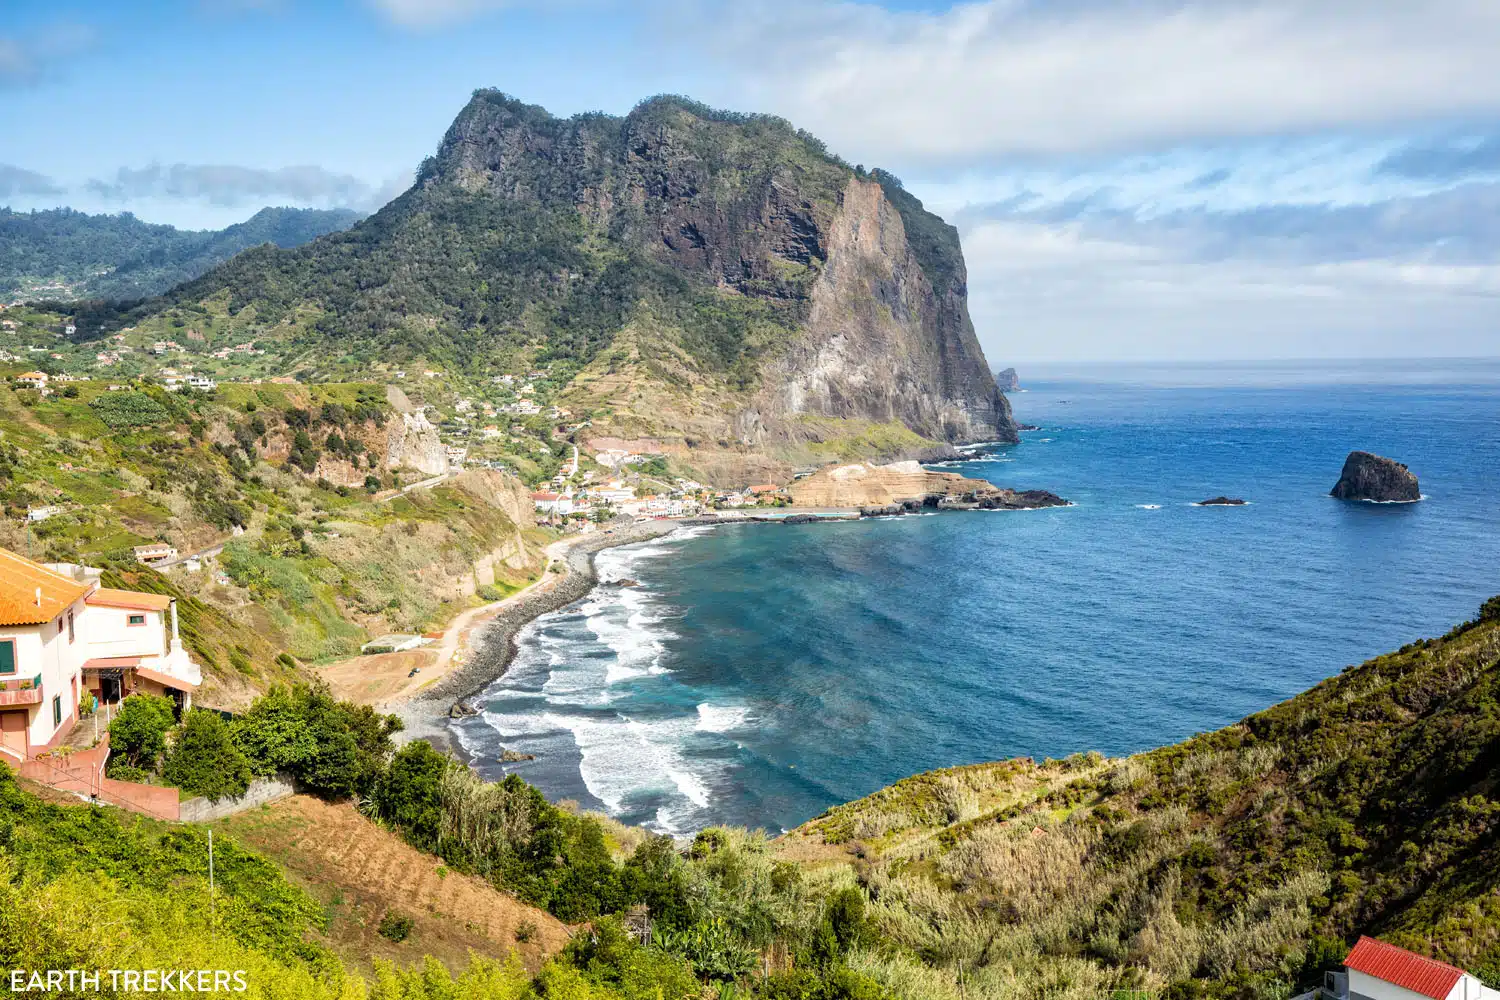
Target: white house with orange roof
pixel 62 636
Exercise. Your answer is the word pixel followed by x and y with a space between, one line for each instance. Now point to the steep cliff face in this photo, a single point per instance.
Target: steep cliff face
pixel 881 342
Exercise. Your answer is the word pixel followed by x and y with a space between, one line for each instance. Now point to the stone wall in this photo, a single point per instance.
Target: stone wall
pixel 261 791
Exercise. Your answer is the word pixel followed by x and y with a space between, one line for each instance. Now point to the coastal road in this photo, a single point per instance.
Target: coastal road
pixel 425 484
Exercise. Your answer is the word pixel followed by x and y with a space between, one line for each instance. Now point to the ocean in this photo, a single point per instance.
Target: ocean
pixel 762 673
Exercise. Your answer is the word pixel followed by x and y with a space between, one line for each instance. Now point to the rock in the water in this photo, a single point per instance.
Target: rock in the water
pixel 1222 502
pixel 625 582
pixel 515 756
pixel 1007 380
pixel 801 519
pixel 1371 477
pixel 1022 500
pixel 462 710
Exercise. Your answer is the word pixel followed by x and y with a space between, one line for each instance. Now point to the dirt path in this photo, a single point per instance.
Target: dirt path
pixel 360 871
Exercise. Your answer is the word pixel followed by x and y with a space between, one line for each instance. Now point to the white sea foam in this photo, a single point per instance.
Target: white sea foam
pixel 722 718
pixel 1149 506
pixel 622 756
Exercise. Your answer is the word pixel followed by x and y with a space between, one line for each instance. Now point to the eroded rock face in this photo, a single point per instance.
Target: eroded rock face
pixel 1008 380
pixel 884 490
pixel 1372 477
pixel 883 341
pixel 875 285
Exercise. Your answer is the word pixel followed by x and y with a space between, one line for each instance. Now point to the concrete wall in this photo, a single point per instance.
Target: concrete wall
pixel 1365 987
pixel 261 790
pixel 111 634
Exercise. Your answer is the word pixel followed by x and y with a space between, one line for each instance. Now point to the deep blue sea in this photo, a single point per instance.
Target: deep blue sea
pixel 765 672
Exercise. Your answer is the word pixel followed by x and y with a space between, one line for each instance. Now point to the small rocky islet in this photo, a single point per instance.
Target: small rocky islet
pixel 1376 479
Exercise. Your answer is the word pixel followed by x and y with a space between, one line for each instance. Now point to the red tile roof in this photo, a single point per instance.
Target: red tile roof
pixel 1406 969
pixel 21 580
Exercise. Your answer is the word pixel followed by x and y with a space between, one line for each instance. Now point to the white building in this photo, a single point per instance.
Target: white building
pixel 552 503
pixel 62 636
pixel 1375 970
pixel 202 382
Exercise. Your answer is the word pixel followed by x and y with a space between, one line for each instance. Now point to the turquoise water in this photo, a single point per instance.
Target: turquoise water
pixel 765 672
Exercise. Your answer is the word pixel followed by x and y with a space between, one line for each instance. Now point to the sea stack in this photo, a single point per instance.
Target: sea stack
pixel 1371 477
pixel 1008 381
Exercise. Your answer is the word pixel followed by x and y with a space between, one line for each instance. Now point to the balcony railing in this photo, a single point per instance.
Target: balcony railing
pixel 21 690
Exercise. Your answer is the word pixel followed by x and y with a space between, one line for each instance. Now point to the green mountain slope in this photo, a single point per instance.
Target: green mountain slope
pixel 63 254
pixel 722 280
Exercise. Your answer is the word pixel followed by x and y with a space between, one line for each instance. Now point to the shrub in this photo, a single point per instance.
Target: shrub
pixel 395 926
pixel 138 734
pixel 333 749
pixel 205 760
pixel 409 794
pixel 1490 610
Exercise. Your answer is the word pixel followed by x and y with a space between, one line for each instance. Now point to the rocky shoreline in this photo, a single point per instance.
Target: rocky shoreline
pixel 494 642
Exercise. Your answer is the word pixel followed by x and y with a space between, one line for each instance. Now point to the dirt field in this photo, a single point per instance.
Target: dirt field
pixel 371 680
pixel 359 871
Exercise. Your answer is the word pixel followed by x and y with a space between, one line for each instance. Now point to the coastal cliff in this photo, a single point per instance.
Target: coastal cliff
pixel 719 282
pixel 880 487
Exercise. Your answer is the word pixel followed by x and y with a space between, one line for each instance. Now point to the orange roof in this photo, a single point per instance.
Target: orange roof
pixel 165 680
pixel 40 375
pixel 1406 969
pixel 20 582
pixel 105 597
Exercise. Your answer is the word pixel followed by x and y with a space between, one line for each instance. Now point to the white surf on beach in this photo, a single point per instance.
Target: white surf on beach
pixel 572 698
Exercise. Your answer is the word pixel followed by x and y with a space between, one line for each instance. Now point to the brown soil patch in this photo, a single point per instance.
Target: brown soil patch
pixel 359 872
pixel 371 680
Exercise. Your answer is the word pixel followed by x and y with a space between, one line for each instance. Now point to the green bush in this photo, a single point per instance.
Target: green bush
pixel 409 793
pixel 204 759
pixel 138 734
pixel 334 749
pixel 395 926
pixel 1490 610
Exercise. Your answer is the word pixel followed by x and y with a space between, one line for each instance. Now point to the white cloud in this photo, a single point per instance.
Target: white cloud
pixel 426 13
pixel 1015 77
pixel 222 184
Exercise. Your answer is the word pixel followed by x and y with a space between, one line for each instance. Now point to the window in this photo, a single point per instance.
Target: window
pixel 57 710
pixel 7 656
pixel 71 633
pixel 135 619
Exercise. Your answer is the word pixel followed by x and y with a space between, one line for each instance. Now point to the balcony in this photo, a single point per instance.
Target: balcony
pixel 21 691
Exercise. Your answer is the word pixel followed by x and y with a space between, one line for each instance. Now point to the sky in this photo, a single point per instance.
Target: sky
pixel 1132 180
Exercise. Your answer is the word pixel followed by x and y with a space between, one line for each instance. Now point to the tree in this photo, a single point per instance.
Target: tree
pixel 138 734
pixel 205 760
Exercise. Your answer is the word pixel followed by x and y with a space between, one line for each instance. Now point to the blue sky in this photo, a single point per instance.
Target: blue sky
pixel 1150 179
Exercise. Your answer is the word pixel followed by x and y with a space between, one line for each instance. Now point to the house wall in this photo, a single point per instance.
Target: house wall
pixel 1366 987
pixel 46 650
pixel 111 634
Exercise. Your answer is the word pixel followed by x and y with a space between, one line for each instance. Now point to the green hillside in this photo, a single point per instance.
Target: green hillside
pixel 1239 864
pixel 64 254
pixel 293 481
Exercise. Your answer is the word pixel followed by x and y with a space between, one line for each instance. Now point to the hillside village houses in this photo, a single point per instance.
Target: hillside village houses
pixel 63 636
pixel 33 380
